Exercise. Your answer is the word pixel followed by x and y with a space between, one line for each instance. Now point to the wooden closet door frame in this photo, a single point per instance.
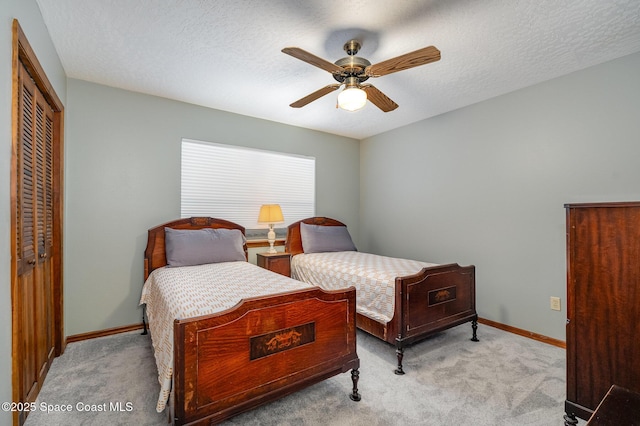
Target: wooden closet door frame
pixel 23 53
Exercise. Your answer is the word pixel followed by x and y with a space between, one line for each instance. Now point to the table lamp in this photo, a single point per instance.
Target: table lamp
pixel 271 214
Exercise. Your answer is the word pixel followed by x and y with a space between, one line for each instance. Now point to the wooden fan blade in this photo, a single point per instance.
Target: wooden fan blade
pixel 315 95
pixel 378 98
pixel 419 57
pixel 313 60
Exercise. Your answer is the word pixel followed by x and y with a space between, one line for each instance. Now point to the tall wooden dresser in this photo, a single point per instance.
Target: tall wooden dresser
pixel 603 303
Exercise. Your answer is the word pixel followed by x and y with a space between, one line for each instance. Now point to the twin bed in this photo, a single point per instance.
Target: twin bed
pixel 399 301
pixel 229 336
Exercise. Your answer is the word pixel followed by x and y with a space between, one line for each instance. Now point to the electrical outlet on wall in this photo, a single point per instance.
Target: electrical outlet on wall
pixel 555 303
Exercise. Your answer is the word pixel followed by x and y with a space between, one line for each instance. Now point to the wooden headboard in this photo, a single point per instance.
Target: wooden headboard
pixel 155 256
pixel 293 243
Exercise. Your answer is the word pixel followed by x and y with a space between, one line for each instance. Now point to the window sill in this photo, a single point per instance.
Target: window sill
pixel 264 243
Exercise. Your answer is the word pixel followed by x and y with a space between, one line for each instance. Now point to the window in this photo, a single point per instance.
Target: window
pixel 232 182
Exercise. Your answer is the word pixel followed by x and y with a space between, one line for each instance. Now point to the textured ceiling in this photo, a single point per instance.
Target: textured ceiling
pixel 226 54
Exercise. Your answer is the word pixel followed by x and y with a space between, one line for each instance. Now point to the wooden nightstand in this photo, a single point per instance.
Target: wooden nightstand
pixel 275 262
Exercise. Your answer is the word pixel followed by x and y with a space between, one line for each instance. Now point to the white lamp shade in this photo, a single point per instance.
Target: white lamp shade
pixel 270 213
pixel 352 99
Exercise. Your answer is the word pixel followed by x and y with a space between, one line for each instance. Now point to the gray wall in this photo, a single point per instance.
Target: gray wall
pixel 486 185
pixel 28 14
pixel 123 177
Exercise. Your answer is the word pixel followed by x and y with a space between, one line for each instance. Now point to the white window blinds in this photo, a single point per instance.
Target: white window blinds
pixel 231 182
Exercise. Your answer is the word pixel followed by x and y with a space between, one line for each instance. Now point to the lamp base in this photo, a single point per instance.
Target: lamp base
pixel 271 237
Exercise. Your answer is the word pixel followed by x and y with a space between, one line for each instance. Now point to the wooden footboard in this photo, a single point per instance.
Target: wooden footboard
pixel 433 300
pixel 261 350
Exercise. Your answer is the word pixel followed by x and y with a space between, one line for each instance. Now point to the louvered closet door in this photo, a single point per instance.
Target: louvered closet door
pixel 35 235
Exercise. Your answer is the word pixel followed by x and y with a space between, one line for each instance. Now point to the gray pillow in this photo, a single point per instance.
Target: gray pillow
pixel 319 239
pixel 187 247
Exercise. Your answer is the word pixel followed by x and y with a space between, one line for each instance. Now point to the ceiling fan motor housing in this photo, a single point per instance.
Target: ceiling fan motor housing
pixel 353 67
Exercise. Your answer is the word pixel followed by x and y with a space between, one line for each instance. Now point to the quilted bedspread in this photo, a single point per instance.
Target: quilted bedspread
pixel 191 291
pixel 372 275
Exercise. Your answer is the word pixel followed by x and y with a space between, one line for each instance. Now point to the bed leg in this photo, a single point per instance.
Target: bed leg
pixel 355 376
pixel 400 354
pixel 144 323
pixel 474 327
pixel 570 420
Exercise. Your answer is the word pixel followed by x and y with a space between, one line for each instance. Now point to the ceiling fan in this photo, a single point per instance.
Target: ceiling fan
pixel 353 70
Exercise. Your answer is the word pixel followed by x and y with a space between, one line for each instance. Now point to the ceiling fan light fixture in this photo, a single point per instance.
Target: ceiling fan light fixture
pixel 353 70
pixel 352 98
